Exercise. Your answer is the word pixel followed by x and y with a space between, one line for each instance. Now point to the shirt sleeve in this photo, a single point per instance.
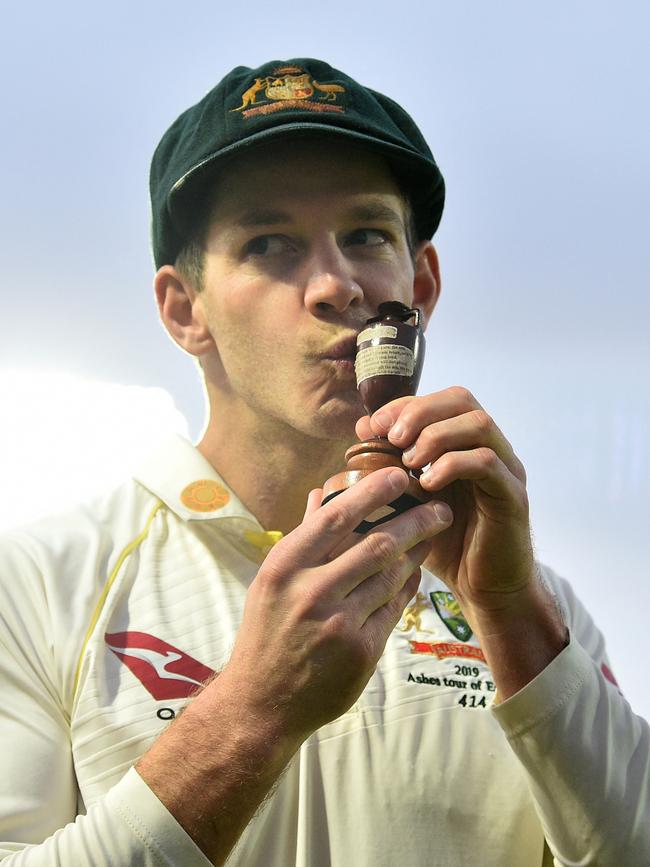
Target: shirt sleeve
pixel 128 826
pixel 39 825
pixel 584 751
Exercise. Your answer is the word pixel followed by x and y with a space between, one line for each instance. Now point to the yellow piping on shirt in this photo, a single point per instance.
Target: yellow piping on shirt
pixel 264 540
pixel 102 599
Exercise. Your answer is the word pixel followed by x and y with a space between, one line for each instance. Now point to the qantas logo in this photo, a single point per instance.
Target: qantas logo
pixel 164 670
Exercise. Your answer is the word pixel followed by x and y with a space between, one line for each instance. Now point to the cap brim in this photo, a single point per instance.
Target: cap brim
pixel 418 176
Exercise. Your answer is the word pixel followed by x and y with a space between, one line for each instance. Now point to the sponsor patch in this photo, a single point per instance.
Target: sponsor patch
pixel 204 495
pixel 164 670
pixel 445 649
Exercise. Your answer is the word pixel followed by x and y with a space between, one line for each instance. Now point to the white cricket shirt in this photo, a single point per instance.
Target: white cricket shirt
pixel 112 614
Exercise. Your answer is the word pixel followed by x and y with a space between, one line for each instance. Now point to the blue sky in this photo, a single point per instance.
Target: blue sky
pixel 537 114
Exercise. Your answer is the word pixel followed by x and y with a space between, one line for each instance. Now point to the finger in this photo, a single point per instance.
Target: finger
pixel 470 430
pixel 380 588
pixel 403 419
pixel 382 546
pixel 483 467
pixel 325 528
pixel 314 499
pixel 363 428
pixel 443 513
pixel 382 421
pixel 380 624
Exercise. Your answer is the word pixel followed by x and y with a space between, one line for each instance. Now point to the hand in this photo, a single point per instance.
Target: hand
pixel 486 558
pixel 322 606
pixel 316 620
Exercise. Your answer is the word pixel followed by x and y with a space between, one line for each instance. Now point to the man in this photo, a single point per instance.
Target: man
pixel 354 718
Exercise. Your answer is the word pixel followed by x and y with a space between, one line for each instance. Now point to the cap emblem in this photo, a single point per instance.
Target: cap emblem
pixel 289 87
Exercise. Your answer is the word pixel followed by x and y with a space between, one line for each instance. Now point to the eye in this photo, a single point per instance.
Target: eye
pixel 367 237
pixel 268 245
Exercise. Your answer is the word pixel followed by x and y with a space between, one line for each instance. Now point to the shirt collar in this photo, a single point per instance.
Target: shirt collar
pixel 179 475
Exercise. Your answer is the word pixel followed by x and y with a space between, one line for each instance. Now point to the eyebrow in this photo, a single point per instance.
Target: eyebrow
pixel 376 211
pixel 368 212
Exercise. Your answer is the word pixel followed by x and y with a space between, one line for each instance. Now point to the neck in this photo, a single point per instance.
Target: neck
pixel 272 471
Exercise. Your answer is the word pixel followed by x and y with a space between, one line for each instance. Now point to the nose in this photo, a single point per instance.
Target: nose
pixel 330 284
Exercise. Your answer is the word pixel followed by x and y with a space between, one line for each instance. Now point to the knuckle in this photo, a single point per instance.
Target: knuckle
pixel 272 573
pixel 524 502
pixel 431 439
pixel 308 604
pixel 462 395
pixel 381 546
pixel 446 462
pixel 423 520
pixel 520 471
pixel 483 422
pixel 392 578
pixel 488 459
pixel 414 409
pixel 394 608
pixel 335 517
pixel 335 629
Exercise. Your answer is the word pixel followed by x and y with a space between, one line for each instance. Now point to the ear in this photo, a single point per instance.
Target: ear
pixel 181 313
pixel 426 280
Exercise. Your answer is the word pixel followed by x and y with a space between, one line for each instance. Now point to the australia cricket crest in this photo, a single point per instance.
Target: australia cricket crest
pixel 293 86
pixel 421 625
pixel 290 87
pixel 449 612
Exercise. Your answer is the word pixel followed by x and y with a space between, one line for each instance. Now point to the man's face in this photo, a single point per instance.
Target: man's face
pixel 304 242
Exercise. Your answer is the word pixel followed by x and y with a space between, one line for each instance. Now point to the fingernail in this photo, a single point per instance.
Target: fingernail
pixel 443 513
pixel 397 431
pixel 382 419
pixel 409 453
pixel 396 479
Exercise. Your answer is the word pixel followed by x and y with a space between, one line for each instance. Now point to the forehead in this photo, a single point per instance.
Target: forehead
pixel 301 172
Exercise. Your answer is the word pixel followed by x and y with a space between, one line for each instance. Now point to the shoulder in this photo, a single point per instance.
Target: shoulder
pixel 65 544
pixel 52 571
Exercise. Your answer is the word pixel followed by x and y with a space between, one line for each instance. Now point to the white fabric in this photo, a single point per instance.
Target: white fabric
pixel 417 772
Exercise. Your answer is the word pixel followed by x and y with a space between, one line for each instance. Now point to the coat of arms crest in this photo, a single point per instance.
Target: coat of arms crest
pixel 289 87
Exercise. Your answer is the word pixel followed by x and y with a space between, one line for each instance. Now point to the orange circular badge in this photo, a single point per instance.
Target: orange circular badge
pixel 205 495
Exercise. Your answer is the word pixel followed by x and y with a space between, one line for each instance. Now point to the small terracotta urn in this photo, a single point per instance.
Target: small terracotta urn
pixel 390 353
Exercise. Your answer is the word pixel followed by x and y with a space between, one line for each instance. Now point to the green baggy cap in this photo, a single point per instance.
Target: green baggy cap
pixel 282 99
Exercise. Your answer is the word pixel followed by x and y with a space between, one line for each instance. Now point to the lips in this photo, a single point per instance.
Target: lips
pixel 344 350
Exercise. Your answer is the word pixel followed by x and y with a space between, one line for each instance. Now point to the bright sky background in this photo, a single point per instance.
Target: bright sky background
pixel 537 114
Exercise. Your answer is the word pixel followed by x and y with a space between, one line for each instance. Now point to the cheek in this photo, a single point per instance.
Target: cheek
pixel 232 307
pixel 391 284
pixel 253 300
pixel 255 340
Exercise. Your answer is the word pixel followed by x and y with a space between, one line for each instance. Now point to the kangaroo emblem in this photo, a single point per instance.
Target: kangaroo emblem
pixel 249 97
pixel 330 90
pixel 412 616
